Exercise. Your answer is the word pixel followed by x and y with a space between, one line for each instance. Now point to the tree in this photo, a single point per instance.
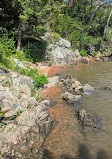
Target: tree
pixel 106 26
pixel 92 16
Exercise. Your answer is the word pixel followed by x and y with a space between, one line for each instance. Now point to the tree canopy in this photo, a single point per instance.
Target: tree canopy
pixel 82 22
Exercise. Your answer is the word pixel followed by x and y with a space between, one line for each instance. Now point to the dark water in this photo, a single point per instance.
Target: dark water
pixel 97 74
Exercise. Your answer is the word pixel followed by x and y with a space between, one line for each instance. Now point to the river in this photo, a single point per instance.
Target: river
pixel 98 75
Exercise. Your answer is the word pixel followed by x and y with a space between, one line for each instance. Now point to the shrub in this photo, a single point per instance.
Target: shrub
pixel 102 51
pixel 40 80
pixel 83 53
pixel 94 53
pixel 7 49
pixel 23 71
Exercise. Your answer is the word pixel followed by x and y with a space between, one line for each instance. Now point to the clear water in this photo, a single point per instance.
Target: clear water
pixel 99 75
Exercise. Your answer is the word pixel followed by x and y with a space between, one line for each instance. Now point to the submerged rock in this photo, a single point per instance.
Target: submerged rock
pixel 87 89
pixel 91 119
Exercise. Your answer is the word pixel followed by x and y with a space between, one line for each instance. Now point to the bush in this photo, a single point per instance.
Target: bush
pixel 23 72
pixel 94 53
pixel 40 80
pixel 83 53
pixel 7 49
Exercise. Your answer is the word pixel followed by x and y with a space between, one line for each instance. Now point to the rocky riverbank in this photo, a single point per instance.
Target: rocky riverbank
pixel 36 129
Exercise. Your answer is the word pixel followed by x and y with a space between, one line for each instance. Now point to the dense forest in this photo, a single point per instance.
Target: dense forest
pixel 23 22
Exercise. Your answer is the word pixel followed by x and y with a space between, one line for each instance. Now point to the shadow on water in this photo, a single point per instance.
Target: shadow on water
pixel 83 153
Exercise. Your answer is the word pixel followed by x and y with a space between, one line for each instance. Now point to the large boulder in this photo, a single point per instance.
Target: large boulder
pixel 91 119
pixel 61 53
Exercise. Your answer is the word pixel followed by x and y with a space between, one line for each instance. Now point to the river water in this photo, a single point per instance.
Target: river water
pixel 98 75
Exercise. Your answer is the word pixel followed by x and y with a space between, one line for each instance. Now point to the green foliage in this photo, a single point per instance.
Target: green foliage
pixel 94 53
pixel 7 48
pixel 23 71
pixel 83 53
pixel 1 107
pixel 40 80
pixel 55 37
pixel 7 83
pixel 38 96
pixel 102 51
pixel 1 114
pixel 3 128
pixel 34 50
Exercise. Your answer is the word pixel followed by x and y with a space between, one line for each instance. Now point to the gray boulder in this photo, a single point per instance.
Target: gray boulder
pixel 61 53
pixel 87 89
pixel 91 120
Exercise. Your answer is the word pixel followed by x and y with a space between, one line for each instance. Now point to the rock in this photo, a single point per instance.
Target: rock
pixel 7 105
pixel 85 60
pixel 72 99
pixel 92 120
pixel 19 64
pixel 32 100
pixel 11 113
pixel 26 83
pixel 52 81
pixel 87 89
pixel 16 82
pixel 3 71
pixel 90 49
pixel 60 53
pixel 24 105
pixel 75 85
pixel 77 54
pixel 108 88
pixel 105 59
pixel 63 43
pixel 47 103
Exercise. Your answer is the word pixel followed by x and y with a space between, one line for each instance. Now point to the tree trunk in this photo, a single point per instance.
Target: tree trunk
pixel 20 35
pixel 19 40
pixel 92 15
pixel 106 26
